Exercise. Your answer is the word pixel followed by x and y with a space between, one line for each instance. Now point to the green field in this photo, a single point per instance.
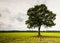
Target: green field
pixel 29 37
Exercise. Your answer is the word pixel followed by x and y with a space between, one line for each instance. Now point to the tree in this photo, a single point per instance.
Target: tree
pixel 39 15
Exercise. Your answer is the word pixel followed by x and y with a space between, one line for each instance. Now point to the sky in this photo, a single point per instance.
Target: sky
pixel 13 14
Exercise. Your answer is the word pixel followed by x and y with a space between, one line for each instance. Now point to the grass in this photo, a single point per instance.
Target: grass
pixel 29 37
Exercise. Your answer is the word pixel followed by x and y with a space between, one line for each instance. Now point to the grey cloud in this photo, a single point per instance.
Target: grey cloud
pixel 20 17
pixel 0 15
pixel 4 27
pixel 5 10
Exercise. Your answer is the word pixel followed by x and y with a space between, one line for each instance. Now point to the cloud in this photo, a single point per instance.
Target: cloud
pixel 11 21
pixel 0 15
pixel 20 17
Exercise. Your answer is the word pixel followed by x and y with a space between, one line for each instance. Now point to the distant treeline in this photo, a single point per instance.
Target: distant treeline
pixel 28 31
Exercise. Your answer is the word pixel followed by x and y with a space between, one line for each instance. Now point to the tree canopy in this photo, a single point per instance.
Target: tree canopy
pixel 40 15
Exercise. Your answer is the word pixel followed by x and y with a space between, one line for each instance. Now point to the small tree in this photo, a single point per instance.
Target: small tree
pixel 39 15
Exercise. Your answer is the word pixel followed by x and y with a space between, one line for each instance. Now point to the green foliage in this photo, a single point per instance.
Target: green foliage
pixel 40 15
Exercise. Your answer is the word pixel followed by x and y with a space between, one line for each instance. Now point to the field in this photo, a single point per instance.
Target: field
pixel 29 37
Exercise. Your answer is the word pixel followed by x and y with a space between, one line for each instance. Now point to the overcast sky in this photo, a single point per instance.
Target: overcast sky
pixel 13 13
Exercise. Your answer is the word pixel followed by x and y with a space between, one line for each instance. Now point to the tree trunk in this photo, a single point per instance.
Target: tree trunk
pixel 39 31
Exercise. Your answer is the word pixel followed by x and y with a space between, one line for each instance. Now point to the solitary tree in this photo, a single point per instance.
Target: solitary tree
pixel 39 15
